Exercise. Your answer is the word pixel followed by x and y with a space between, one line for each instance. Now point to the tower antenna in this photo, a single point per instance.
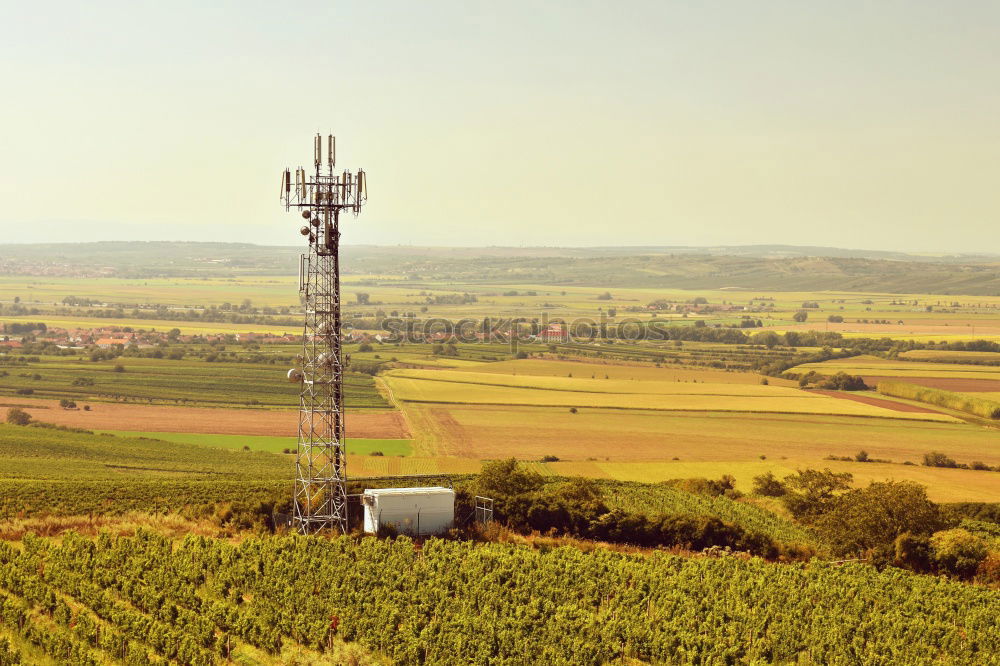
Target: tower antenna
pixel 320 495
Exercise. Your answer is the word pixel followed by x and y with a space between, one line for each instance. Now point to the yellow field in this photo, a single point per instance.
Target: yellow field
pixel 874 366
pixel 949 356
pixel 481 376
pixel 361 466
pixel 943 485
pixel 457 387
pixel 598 369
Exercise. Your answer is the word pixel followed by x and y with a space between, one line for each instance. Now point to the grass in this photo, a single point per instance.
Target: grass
pixel 355 446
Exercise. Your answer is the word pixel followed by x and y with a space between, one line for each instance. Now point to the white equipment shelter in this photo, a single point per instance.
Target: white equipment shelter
pixel 413 511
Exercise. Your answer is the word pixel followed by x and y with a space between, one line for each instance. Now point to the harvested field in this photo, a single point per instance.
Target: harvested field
pixel 878 402
pixel 602 435
pixel 114 416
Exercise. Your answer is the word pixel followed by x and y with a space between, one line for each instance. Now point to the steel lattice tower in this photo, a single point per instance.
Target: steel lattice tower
pixel 320 495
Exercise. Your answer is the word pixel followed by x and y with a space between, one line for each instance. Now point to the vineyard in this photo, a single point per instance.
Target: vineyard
pixel 190 382
pixel 146 599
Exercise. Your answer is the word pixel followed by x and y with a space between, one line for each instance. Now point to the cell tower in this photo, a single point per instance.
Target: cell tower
pixel 320 495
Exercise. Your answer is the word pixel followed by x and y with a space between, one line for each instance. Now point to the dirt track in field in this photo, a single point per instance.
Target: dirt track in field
pixel 956 384
pixel 155 418
pixel 878 402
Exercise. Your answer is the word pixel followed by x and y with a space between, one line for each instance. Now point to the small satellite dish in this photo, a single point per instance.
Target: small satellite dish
pixel 304 231
pixel 295 375
pixel 306 214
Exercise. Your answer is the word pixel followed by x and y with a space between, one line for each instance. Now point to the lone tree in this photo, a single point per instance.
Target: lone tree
pixel 871 519
pixel 17 416
pixel 810 491
pixel 800 316
pixel 363 298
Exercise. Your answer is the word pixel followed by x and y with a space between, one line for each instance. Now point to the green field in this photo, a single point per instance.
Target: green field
pixel 191 381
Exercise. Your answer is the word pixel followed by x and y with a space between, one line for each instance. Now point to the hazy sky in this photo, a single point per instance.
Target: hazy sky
pixel 854 124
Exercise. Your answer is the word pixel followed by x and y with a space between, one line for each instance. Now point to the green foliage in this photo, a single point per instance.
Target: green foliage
pixel 957 551
pixel 454 602
pixel 596 510
pixel 664 499
pixel 869 520
pixel 844 382
pixel 811 491
pixel 767 485
pixel 44 453
pixel 938 459
pixel 17 416
pixel 962 402
pixel 507 478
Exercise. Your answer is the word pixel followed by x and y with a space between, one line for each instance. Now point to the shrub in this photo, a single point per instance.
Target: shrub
pixel 913 552
pixel 958 551
pixel 547 459
pixel 25 391
pixel 810 491
pixel 768 485
pixel 376 453
pixel 870 519
pixel 937 459
pixel 844 382
pixel 17 416
pixel 119 367
pixel 861 456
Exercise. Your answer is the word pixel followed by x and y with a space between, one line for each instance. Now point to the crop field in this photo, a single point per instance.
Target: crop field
pixel 455 387
pixel 871 366
pixel 617 370
pixel 355 446
pixel 366 424
pixel 943 485
pixel 263 290
pixel 187 327
pixel 190 381
pixel 651 446
pixel 944 356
